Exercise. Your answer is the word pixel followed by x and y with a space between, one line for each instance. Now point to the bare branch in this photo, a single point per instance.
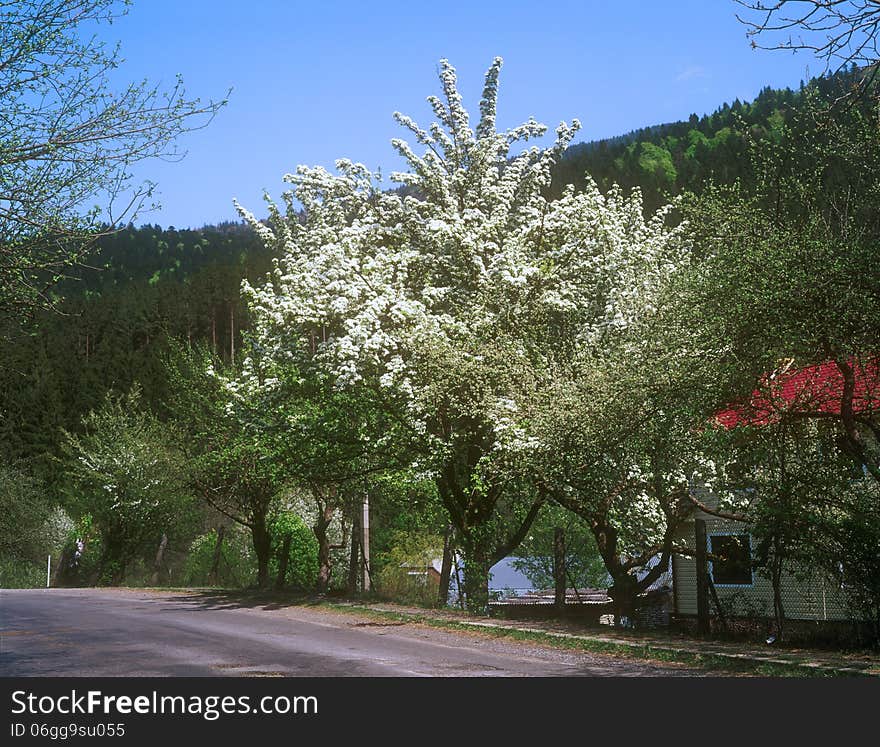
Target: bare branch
pixel 68 140
pixel 840 32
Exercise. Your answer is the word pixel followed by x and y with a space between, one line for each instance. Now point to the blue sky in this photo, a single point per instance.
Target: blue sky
pixel 314 82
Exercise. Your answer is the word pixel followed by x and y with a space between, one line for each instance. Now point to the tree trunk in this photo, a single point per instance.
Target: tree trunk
pixel 118 577
pixel 624 594
pixel 110 569
pixel 232 332
pixel 559 576
pixel 476 581
pixel 776 581
pixel 325 567
pixel 624 587
pixel 214 574
pixel 857 447
pixel 354 555
pixel 62 568
pixel 262 549
pixel 157 563
pixel 445 568
pixel 283 559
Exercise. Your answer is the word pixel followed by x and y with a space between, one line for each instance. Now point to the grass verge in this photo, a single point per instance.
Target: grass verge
pixel 720 662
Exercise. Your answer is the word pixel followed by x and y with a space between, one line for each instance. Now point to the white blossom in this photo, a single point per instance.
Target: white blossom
pixel 383 284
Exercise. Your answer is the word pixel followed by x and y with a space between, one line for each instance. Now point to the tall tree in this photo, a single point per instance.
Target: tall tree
pixel 617 430
pixel 789 277
pixel 779 313
pixel 68 138
pixel 124 473
pixel 234 465
pixel 449 296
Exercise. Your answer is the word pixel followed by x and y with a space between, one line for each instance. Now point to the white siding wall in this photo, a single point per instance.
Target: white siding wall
pixel 806 596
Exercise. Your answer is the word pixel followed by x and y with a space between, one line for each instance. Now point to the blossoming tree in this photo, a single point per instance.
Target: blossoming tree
pixel 455 295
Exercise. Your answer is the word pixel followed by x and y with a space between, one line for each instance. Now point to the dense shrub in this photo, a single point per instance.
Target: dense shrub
pixel 237 566
pixel 21 574
pixel 302 557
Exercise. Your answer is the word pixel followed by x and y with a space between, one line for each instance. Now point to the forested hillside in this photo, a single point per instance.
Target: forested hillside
pixel 140 288
pixel 667 159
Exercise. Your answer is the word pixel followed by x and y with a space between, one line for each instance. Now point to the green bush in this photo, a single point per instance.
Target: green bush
pixel 56 531
pixel 122 470
pixel 302 563
pixel 21 574
pixel 23 553
pixel 24 511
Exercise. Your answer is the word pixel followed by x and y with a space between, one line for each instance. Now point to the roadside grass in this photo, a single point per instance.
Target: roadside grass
pixel 633 649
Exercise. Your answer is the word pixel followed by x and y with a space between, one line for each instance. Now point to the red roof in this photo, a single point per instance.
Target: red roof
pixel 812 389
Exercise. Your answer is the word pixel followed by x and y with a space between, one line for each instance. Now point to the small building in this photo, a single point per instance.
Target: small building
pixel 736 590
pixel 427 574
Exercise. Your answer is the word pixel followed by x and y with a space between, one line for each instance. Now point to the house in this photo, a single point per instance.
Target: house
pixel 424 574
pixel 817 389
pixel 734 590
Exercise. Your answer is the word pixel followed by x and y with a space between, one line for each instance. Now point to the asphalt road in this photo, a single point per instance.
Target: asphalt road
pixel 131 633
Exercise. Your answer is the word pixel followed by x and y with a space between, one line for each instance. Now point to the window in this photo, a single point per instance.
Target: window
pixel 731 563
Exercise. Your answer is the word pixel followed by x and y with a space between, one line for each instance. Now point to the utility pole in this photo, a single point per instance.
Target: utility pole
pixel 365 525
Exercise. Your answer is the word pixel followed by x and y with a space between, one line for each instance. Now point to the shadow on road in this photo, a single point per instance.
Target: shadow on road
pixel 220 599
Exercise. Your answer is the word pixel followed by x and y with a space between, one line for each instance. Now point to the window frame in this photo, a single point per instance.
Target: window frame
pixel 729 533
